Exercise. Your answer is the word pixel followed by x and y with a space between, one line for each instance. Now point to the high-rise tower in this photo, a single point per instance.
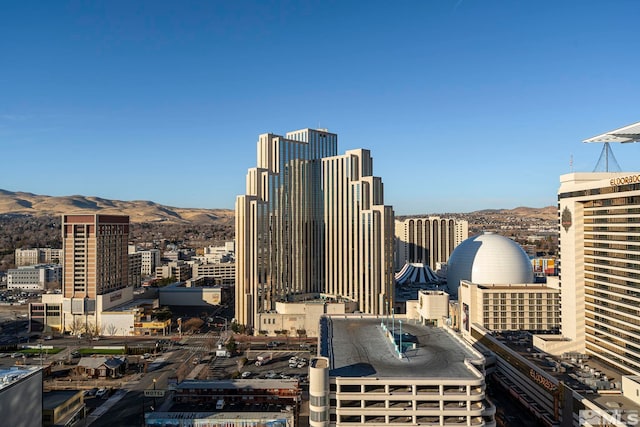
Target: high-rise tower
pixel 600 260
pixel 311 222
pixel 95 249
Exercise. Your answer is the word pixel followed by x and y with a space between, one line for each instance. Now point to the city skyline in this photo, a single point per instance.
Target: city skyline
pixel 311 222
pixel 438 91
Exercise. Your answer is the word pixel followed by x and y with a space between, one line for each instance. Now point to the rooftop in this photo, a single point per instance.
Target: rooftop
pixel 53 399
pixel 594 380
pixel 14 374
pixel 132 305
pixel 268 418
pixel 256 384
pixel 358 347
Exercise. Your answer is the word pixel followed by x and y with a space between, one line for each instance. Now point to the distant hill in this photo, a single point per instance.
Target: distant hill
pixel 139 211
pixel 142 211
pixel 548 213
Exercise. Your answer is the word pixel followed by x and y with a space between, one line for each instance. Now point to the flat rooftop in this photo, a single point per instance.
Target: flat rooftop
pixel 14 374
pixel 240 384
pixel 131 305
pixel 358 347
pixel 572 375
pixel 272 418
pixel 52 399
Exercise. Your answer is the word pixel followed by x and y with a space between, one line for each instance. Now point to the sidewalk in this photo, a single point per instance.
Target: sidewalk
pixel 102 409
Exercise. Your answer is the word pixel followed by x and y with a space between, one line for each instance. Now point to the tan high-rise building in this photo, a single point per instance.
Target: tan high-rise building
pixel 307 215
pixel 358 250
pixel 428 240
pixel 600 265
pixel 96 265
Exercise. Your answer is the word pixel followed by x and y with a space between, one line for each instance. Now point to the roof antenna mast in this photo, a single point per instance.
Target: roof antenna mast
pixel 623 135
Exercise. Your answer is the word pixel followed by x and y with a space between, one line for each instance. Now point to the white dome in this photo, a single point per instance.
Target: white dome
pixel 488 259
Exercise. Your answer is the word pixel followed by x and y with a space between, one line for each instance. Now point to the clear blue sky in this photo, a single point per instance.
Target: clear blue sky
pixel 465 104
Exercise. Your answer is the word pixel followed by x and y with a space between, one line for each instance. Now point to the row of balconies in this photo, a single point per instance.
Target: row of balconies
pixel 418 405
pixel 403 390
pixel 367 420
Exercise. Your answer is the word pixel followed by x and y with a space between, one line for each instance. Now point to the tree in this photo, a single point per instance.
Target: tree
pixel 163 314
pixel 76 326
pixel 232 346
pixel 192 324
pixel 111 329
pixel 94 329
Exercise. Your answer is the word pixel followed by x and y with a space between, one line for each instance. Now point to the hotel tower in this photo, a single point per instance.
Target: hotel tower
pixel 96 265
pixel 600 260
pixel 312 223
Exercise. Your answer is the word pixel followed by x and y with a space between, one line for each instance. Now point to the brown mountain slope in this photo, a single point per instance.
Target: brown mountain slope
pixel 138 210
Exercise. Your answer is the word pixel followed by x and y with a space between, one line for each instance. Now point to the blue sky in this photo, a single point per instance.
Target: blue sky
pixel 465 104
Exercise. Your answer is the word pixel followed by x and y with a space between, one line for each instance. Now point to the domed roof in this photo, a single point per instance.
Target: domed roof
pixel 488 259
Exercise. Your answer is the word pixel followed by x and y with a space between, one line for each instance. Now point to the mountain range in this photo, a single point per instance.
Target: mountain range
pixel 143 211
pixel 139 211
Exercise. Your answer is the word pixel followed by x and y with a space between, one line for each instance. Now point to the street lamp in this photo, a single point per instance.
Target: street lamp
pixel 393 324
pixel 154 394
pixel 400 349
pixel 386 305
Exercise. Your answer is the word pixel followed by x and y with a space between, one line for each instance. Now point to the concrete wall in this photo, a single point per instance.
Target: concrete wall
pixel 190 296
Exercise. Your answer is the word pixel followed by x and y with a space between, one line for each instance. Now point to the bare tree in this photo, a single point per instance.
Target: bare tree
pixel 111 329
pixel 76 326
pixel 192 324
pixel 94 329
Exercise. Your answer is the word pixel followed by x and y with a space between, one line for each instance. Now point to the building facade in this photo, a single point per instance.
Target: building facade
pixel 358 233
pixel 428 240
pixel 135 269
pixel 303 210
pixel 516 307
pixel 179 270
pixel 600 265
pixel 150 260
pixel 223 273
pixel 21 396
pixel 36 277
pixel 35 256
pixel 95 273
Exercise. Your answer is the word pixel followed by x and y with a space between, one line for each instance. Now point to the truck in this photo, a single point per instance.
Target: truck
pixel 223 352
pixel 263 359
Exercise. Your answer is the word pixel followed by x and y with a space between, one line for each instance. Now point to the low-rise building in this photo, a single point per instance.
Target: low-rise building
pixel 223 273
pixel 371 372
pixel 179 270
pixel 35 256
pixel 101 366
pixel 35 277
pixel 62 407
pixel 511 307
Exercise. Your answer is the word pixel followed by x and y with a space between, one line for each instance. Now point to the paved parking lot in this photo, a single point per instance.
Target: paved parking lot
pixel 278 365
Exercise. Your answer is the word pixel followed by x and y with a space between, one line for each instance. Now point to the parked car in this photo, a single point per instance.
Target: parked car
pixel 102 393
pixel 91 392
pixel 245 374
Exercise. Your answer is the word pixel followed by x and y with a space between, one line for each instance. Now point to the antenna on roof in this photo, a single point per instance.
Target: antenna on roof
pixel 606 155
pixel 623 135
pixel 571 163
